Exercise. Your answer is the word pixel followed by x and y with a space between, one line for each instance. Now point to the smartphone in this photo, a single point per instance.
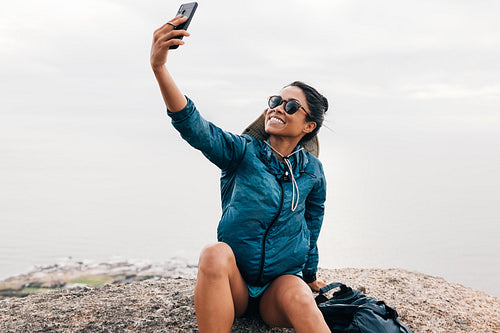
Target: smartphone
pixel 187 10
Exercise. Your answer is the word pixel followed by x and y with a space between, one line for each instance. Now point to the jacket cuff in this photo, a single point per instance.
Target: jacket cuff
pixel 309 278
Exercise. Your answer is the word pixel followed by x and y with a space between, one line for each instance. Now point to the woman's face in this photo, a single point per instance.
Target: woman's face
pixel 282 124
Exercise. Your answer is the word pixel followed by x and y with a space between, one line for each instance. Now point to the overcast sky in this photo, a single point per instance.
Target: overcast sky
pixel 414 122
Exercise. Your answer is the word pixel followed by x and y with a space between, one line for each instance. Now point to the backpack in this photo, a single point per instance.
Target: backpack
pixel 349 311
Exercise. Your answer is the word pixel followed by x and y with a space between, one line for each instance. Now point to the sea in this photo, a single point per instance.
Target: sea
pixel 458 257
pixel 428 203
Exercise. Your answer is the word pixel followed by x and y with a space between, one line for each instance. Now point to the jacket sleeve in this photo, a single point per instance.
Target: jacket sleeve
pixel 222 148
pixel 315 208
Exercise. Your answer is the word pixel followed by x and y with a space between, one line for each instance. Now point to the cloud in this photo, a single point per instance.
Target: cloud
pixel 453 91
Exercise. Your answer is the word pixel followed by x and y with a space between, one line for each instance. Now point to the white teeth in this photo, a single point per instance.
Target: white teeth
pixel 277 120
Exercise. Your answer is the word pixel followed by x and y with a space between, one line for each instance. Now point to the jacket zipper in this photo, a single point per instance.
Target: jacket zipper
pixel 263 254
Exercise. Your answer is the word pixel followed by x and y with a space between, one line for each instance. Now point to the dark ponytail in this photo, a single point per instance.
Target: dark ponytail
pixel 317 104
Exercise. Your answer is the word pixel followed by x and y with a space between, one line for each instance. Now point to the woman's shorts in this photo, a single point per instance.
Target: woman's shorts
pixel 254 296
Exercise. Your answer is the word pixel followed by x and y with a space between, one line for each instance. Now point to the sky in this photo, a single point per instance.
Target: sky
pixel 410 148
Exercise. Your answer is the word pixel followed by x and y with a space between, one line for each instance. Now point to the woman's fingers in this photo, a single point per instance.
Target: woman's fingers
pixel 167 31
pixel 175 33
pixel 317 285
pixel 170 42
pixel 172 21
pixel 165 37
pixel 170 25
pixel 179 19
pixel 171 39
pixel 322 283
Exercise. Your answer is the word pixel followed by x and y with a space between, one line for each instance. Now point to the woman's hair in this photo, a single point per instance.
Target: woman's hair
pixel 317 103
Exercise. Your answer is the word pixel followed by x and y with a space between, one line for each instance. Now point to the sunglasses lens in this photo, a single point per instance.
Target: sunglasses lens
pixel 275 101
pixel 291 107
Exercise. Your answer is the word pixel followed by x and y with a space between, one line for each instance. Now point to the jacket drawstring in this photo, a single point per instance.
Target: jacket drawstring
pixel 295 187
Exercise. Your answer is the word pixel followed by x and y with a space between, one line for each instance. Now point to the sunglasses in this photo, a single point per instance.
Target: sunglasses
pixel 291 106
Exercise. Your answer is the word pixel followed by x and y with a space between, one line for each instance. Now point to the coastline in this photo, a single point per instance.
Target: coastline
pixel 74 275
pixel 129 297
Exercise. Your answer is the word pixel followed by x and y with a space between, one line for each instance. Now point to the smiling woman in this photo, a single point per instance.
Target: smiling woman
pixel 273 194
pixel 317 104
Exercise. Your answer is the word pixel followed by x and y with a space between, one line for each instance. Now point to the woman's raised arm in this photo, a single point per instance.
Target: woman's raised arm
pixel 163 38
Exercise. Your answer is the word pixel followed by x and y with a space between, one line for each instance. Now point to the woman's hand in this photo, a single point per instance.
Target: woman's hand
pixel 163 39
pixel 316 285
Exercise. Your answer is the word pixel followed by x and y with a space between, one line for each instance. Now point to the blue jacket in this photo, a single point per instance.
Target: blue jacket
pixel 266 236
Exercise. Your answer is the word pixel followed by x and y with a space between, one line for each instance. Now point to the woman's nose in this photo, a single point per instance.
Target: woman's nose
pixel 280 108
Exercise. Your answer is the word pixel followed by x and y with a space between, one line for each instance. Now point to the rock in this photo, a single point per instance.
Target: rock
pixel 425 303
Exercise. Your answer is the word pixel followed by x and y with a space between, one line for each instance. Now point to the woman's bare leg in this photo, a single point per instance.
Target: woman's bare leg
pixel 220 294
pixel 289 302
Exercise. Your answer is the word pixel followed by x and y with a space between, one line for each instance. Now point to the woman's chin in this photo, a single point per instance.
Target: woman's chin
pixel 272 132
pixel 273 129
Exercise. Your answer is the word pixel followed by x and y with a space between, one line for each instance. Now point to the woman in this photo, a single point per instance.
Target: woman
pixel 273 194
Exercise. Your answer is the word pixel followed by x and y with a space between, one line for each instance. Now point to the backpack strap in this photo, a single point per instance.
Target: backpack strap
pixel 321 298
pixel 331 286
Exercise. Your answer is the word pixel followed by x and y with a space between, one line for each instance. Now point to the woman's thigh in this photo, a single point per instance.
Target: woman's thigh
pixel 281 297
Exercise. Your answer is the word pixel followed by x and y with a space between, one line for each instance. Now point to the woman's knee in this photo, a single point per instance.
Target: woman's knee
pixel 216 260
pixel 297 295
pixel 298 299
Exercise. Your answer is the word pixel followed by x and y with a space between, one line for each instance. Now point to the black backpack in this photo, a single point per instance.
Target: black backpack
pixel 349 311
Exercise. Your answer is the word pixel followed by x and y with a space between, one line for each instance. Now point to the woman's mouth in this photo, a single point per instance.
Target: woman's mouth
pixel 276 120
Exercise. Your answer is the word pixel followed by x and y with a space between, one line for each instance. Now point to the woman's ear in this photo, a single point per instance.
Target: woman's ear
pixel 309 126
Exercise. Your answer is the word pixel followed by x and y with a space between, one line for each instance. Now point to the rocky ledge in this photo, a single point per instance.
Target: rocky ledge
pixel 163 302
